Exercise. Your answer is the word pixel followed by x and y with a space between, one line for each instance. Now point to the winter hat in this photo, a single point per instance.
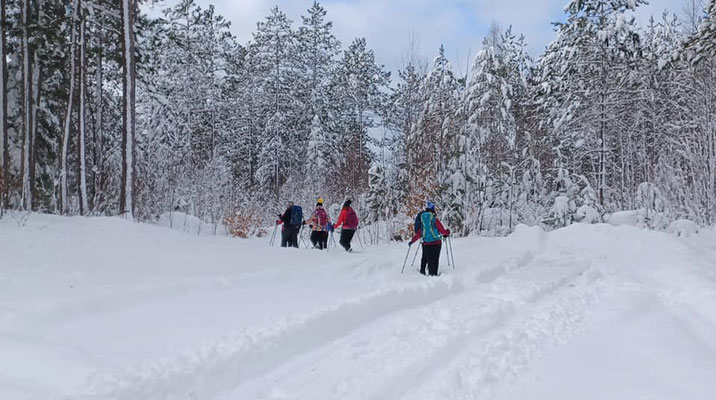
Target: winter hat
pixel 320 201
pixel 347 203
pixel 429 205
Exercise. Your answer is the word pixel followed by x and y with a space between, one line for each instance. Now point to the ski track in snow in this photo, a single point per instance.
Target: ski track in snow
pixel 223 363
pixel 473 333
pixel 392 354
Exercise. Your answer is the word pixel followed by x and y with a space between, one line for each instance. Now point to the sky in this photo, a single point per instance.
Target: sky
pixel 388 25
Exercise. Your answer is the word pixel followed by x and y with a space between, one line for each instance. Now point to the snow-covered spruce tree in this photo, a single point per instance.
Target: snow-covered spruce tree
pixel 318 50
pixel 188 128
pixel 702 45
pixel 585 85
pixel 491 132
pixel 375 203
pixel 319 158
pixel 283 142
pixel 433 140
pixel 360 86
pixel 401 120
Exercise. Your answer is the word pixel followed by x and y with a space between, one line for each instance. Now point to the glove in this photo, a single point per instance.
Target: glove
pixel 310 226
pixel 410 244
pixel 448 233
pixel 278 221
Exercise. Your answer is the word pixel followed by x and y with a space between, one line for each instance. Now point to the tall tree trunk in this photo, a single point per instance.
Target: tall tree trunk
pixel 82 181
pixel 68 115
pixel 97 131
pixel 126 204
pixel 27 139
pixel 5 193
pixel 36 79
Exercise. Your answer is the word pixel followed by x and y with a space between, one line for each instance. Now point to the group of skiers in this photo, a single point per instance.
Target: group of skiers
pixel 428 229
pixel 320 225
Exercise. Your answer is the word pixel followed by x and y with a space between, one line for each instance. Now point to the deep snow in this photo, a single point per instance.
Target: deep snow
pixel 101 308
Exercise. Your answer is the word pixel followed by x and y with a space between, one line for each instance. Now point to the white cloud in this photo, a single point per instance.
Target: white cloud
pixel 387 24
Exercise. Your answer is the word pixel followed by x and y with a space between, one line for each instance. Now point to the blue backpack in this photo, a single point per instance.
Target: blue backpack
pixel 425 222
pixel 296 216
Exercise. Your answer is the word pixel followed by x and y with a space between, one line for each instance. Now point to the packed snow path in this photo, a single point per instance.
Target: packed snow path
pixel 96 308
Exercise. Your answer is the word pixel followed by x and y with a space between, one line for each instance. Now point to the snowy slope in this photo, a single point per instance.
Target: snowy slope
pixel 106 309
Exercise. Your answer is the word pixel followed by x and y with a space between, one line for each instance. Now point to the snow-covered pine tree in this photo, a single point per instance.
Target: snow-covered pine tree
pixel 361 83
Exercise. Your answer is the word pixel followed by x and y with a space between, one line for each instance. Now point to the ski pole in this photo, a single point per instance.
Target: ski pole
pixel 273 236
pixel 359 239
pixel 406 260
pixel 452 253
pixel 300 236
pixel 412 264
pixel 447 249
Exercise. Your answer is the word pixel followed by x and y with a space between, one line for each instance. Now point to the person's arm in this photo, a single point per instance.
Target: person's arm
pixel 417 236
pixel 341 219
pixel 441 228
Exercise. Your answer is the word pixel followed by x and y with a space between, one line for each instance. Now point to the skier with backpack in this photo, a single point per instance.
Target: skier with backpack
pixel 319 224
pixel 292 220
pixel 429 228
pixel 348 219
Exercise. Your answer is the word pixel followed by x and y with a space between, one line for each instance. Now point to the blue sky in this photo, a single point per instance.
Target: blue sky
pixel 388 24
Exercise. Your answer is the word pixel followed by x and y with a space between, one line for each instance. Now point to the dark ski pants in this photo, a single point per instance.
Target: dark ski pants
pixel 289 236
pixel 346 237
pixel 430 258
pixel 319 239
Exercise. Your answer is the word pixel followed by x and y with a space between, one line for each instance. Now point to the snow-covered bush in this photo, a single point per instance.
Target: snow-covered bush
pixel 561 213
pixel 587 215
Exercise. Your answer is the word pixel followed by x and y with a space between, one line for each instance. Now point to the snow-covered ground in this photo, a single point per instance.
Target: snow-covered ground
pixel 101 308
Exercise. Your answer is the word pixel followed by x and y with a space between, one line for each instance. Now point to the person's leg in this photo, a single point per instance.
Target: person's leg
pixel 434 260
pixel 349 236
pixel 343 240
pixel 285 237
pixel 324 240
pixel 424 258
pixel 294 237
pixel 316 239
pixel 346 236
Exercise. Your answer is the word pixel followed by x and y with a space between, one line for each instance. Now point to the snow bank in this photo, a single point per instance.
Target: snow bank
pixel 183 222
pixel 683 228
pixel 102 308
pixel 629 218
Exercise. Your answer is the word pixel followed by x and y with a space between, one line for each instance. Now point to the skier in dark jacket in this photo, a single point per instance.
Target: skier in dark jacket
pixel 348 219
pixel 429 228
pixel 289 232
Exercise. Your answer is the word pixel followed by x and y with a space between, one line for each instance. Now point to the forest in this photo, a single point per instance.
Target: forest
pixel 107 111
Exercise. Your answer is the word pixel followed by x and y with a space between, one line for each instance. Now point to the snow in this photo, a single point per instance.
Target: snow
pixel 631 218
pixel 683 227
pixel 104 308
pixel 190 224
